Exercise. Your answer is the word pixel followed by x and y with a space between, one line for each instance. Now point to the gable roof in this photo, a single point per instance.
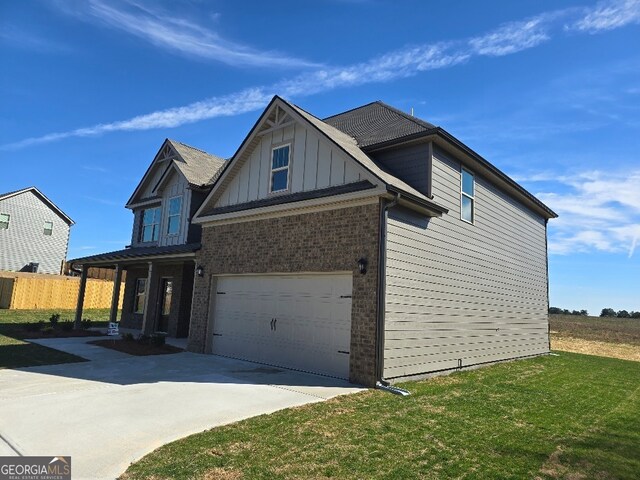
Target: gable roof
pixel 42 197
pixel 198 167
pixel 343 141
pixel 378 125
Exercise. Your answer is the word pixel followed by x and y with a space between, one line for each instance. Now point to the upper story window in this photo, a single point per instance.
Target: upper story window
pixel 4 221
pixel 48 228
pixel 280 168
pixel 467 196
pixel 173 220
pixel 150 224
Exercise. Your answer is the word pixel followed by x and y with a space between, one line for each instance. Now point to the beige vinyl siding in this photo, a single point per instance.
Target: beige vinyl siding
pixel 25 242
pixel 459 294
pixel 314 163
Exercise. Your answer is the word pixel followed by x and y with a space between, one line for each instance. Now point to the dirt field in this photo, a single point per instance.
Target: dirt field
pixel 605 337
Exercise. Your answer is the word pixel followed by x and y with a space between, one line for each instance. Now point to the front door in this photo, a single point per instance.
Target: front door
pixel 166 291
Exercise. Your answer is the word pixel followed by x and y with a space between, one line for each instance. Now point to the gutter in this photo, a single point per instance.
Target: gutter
pixel 381 383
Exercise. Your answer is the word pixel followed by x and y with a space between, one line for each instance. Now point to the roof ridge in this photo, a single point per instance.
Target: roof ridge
pixel 350 110
pixel 416 120
pixel 195 148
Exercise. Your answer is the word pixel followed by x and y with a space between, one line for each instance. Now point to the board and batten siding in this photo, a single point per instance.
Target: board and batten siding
pixel 315 163
pixel 25 242
pixel 408 164
pixel 459 294
pixel 175 186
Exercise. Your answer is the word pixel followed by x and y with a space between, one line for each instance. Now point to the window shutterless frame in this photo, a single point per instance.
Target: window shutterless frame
pixel 48 228
pixel 141 290
pixel 467 196
pixel 174 215
pixel 280 165
pixel 5 218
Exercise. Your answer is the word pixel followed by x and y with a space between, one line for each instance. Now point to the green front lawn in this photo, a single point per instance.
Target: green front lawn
pixel 572 416
pixel 14 352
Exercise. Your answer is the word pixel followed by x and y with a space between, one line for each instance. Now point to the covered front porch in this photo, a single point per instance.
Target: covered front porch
pixel 158 287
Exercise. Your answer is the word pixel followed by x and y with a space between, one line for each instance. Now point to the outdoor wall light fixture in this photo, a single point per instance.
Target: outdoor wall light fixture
pixel 200 271
pixel 362 265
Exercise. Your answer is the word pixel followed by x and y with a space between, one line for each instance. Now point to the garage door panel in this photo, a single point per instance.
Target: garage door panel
pixel 313 323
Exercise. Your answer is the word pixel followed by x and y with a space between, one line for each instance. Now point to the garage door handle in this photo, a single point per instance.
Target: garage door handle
pixel 217 334
pixel 273 323
pixel 345 296
pixel 342 351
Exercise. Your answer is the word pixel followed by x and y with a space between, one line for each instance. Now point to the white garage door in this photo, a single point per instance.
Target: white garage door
pixel 295 321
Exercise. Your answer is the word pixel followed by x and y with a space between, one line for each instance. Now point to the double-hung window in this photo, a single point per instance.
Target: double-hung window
pixel 4 221
pixel 280 160
pixel 141 288
pixel 48 228
pixel 150 224
pixel 173 219
pixel 467 196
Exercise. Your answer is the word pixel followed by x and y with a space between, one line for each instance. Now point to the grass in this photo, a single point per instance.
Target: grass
pixel 604 329
pixel 572 416
pixel 15 352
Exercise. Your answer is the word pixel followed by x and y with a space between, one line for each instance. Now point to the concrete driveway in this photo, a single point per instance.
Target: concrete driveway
pixel 114 409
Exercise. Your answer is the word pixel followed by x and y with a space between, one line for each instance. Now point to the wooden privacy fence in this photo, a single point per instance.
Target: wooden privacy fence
pixel 23 291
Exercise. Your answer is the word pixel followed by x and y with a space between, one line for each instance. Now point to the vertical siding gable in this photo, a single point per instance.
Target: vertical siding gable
pixel 24 241
pixel 315 163
pixel 461 292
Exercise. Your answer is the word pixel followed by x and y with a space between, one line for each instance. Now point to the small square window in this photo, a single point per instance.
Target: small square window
pixel 48 228
pixel 4 221
pixel 280 159
pixel 467 196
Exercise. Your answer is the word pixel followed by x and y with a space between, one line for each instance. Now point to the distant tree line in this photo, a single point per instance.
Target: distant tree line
pixel 606 312
pixel 564 311
pixel 610 312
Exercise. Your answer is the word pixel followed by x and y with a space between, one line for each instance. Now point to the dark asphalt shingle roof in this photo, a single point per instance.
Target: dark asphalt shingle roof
pixel 292 197
pixel 137 252
pixel 376 123
pixel 199 167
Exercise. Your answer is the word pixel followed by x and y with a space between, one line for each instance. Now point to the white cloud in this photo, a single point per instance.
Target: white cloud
pixel 608 15
pixel 507 39
pixel 597 211
pixel 177 34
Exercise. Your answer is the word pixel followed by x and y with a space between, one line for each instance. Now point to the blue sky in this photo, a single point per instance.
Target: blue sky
pixel 548 91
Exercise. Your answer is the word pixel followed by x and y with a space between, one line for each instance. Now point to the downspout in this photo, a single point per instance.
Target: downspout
pixel 381 383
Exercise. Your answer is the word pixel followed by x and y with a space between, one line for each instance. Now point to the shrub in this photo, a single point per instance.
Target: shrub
pixel 48 330
pixel 86 324
pixel 54 319
pixel 143 339
pixel 128 337
pixel 158 339
pixel 34 326
pixel 608 312
pixel 623 314
pixel 67 325
pixel 635 314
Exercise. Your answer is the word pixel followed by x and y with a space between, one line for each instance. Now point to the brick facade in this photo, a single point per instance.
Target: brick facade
pixel 182 276
pixel 326 241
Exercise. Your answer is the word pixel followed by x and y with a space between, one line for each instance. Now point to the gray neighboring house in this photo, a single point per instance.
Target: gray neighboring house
pixel 370 246
pixel 160 261
pixel 34 232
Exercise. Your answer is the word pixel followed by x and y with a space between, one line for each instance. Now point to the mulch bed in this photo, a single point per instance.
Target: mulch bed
pixel 135 348
pixel 61 334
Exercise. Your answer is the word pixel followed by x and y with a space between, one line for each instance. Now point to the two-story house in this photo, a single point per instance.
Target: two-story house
pixel 34 232
pixel 370 246
pixel 160 262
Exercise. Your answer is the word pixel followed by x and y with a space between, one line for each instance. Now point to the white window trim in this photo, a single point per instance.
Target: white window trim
pixel 8 222
pixel 179 215
pixel 471 197
pixel 272 170
pixel 44 229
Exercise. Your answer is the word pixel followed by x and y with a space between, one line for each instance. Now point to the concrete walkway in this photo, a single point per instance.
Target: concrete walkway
pixel 113 410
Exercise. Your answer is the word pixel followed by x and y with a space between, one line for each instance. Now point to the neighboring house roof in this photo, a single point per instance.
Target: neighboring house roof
pixel 377 125
pixel 198 167
pixel 137 252
pixel 42 197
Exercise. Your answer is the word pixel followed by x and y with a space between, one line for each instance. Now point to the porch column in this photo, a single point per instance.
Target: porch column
pixel 148 317
pixel 115 297
pixel 83 286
